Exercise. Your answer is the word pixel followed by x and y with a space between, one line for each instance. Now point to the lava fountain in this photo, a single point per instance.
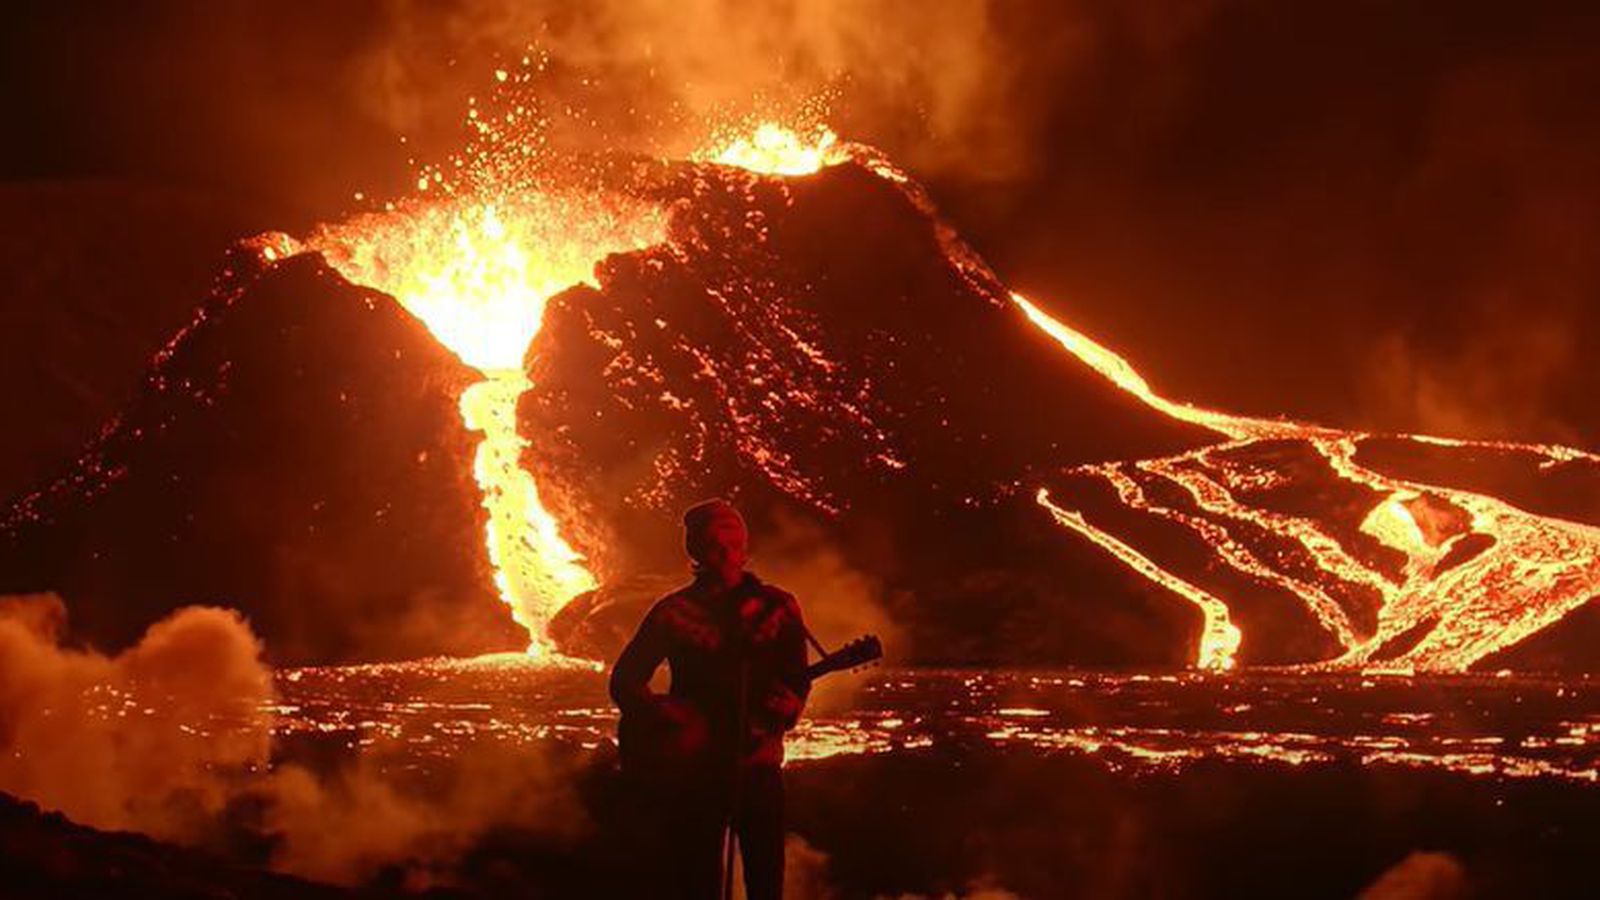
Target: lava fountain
pixel 477 267
pixel 478 273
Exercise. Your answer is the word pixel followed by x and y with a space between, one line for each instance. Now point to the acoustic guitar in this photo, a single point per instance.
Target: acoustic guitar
pixel 653 745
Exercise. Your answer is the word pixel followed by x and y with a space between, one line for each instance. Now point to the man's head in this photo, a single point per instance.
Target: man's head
pixel 715 536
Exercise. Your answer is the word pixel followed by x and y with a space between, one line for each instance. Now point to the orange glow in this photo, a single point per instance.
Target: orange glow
pixel 478 274
pixel 477 265
pixel 1532 572
pixel 775 150
pixel 1136 723
pixel 1219 637
pixel 536 571
pixel 486 242
pixel 1122 374
pixel 1394 525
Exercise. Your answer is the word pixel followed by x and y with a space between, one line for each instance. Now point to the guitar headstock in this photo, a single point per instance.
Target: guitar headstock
pixel 859 652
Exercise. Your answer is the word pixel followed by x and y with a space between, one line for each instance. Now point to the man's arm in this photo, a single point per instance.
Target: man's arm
pixel 630 676
pixel 788 699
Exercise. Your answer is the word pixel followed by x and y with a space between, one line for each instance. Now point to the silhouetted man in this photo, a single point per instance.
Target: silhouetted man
pixel 710 748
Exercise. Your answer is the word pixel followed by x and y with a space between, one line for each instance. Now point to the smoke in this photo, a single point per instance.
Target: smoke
pixel 805 877
pixel 1500 214
pixel 840 602
pixel 1421 876
pixel 157 739
pixel 656 71
pixel 173 738
pixel 1423 190
pixel 351 826
pixel 1193 180
pixel 1497 382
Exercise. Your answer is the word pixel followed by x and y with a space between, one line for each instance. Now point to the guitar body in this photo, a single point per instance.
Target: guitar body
pixel 659 746
pixel 650 744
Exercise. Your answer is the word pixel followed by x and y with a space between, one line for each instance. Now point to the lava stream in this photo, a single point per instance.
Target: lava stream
pixel 477 267
pixel 1438 613
pixel 478 274
pixel 530 558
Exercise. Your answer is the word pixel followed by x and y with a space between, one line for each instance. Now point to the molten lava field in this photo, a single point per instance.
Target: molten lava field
pixel 1058 783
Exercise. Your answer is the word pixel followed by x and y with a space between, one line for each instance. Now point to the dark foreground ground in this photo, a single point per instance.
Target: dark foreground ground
pixel 42 855
pixel 1069 828
pixel 925 823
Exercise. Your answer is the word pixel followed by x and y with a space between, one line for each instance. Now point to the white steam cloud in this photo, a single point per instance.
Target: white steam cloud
pixel 174 735
pixel 157 739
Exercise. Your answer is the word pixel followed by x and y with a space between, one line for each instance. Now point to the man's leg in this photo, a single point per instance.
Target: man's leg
pixel 694 840
pixel 761 833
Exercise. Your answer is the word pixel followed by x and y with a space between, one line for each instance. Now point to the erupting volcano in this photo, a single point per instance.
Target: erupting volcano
pixel 785 319
pixel 478 272
pixel 1003 578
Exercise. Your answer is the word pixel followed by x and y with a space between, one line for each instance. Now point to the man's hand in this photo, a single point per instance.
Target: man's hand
pixel 674 711
pixel 784 705
pixel 686 732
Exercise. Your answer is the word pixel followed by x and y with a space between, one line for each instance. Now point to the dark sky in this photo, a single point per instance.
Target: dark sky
pixel 1372 213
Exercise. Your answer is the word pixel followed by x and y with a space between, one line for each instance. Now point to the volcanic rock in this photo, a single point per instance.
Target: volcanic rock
pixel 823 350
pixel 826 353
pixel 295 453
pixel 598 623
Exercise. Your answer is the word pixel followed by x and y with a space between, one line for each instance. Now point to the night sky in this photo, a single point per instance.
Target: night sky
pixel 1375 214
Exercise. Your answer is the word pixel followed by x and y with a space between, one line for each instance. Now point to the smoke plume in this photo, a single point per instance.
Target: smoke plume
pixel 1498 381
pixel 157 739
pixel 173 738
pixel 367 819
pixel 840 602
pixel 1421 876
pixel 658 70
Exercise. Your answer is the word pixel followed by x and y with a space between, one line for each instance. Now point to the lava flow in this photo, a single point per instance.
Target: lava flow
pixel 478 273
pixel 477 263
pixel 1484 576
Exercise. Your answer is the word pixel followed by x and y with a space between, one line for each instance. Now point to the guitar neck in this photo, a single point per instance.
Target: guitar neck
pixel 820 668
pixel 857 653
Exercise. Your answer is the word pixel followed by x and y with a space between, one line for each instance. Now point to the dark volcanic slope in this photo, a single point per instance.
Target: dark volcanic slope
pixel 96 276
pixel 296 454
pixel 820 349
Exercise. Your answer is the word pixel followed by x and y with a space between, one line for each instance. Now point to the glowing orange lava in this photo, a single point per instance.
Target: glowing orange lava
pixel 477 264
pixel 476 256
pixel 1527 572
pixel 773 149
pixel 478 274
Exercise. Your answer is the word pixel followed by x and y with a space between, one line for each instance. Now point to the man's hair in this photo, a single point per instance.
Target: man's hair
pixel 699 516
